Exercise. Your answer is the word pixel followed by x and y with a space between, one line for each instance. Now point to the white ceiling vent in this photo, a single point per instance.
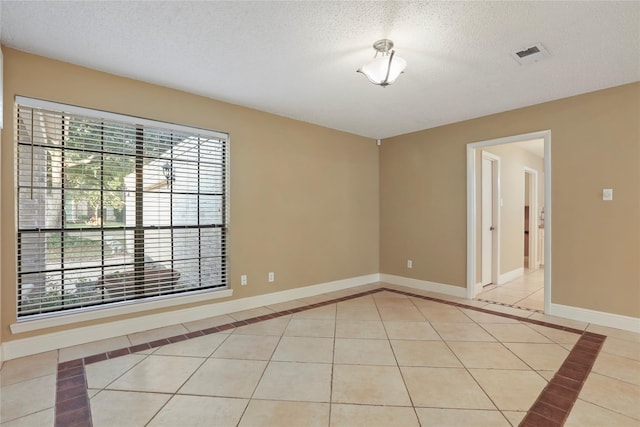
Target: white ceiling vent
pixel 530 54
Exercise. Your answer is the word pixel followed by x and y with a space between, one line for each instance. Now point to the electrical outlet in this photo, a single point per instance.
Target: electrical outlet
pixel 243 280
pixel 272 276
pixel 409 263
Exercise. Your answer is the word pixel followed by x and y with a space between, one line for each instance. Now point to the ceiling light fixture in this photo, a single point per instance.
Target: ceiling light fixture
pixel 385 68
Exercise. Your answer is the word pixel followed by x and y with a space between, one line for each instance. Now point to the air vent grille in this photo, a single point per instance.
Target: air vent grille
pixel 531 51
pixel 530 54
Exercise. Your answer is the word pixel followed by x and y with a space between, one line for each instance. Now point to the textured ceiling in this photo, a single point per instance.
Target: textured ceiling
pixel 299 59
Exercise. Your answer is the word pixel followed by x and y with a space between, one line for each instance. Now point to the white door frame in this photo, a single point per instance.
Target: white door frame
pixel 472 214
pixel 495 221
pixel 532 176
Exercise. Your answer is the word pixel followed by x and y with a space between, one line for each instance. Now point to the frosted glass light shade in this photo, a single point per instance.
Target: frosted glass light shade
pixel 384 70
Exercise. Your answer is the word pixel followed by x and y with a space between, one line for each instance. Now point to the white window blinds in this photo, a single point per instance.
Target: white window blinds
pixel 115 209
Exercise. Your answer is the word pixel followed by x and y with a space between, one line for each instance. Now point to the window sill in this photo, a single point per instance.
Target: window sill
pixel 62 319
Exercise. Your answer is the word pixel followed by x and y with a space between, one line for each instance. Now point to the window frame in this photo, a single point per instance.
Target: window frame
pixel 140 302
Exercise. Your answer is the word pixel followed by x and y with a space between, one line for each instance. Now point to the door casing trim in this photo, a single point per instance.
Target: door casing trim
pixel 472 214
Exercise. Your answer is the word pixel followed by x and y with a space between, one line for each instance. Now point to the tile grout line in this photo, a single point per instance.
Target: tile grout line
pixel 333 365
pixel 72 406
pixel 175 393
pixel 253 393
pixel 404 380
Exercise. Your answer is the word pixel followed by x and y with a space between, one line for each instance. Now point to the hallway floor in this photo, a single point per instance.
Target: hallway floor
pixel 377 355
pixel 525 292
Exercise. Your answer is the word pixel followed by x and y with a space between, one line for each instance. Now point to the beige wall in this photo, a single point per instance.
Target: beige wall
pixel 304 199
pixel 595 144
pixel 513 160
pixel 316 205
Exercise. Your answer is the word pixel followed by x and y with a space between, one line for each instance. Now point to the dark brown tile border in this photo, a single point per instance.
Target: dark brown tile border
pixel 550 409
pixel 556 400
pixel 72 401
pixel 504 304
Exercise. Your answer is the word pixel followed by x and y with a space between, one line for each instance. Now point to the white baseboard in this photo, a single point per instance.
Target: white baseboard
pixel 510 275
pixel 56 340
pixel 456 291
pixel 601 318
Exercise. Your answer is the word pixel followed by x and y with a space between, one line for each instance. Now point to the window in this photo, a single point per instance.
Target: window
pixel 114 209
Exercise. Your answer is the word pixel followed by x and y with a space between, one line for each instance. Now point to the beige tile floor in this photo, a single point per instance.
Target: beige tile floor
pixel 526 291
pixel 379 360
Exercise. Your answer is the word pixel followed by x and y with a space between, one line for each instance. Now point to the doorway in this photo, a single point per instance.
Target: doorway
pixel 538 245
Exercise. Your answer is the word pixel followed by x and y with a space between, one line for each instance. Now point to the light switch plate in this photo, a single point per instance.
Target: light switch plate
pixel 607 194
